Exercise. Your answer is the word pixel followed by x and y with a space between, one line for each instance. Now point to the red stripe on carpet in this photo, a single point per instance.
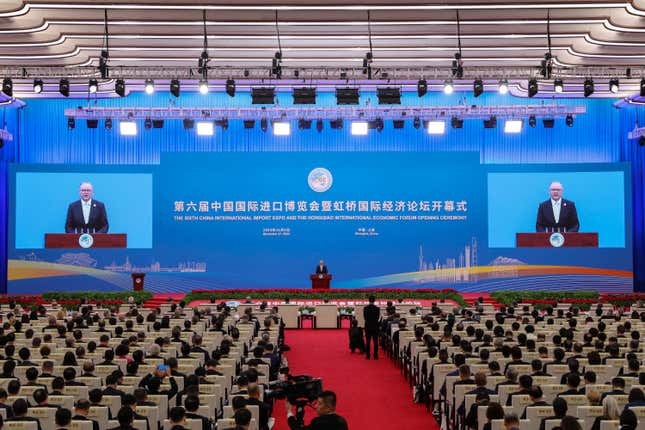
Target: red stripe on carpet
pixel 372 394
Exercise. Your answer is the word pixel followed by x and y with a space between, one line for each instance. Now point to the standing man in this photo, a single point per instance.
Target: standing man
pixel 372 315
pixel 86 215
pixel 557 214
pixel 321 268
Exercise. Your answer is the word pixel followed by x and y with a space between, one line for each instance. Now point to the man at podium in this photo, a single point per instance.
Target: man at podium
pixel 86 215
pixel 557 214
pixel 321 269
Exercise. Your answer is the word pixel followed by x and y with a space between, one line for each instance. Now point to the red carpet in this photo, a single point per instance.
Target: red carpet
pixel 372 394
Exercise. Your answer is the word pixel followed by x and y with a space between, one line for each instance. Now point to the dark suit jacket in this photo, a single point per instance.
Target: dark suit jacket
pixel 568 217
pixel 319 270
pixel 372 314
pixel 205 421
pixel 95 424
pixel 98 220
pixel 323 422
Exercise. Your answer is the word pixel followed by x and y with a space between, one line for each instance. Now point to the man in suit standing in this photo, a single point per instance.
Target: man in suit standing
pixel 372 314
pixel 557 214
pixel 321 269
pixel 86 215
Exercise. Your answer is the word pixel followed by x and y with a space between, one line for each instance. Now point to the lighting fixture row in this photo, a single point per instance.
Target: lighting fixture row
pixel 129 127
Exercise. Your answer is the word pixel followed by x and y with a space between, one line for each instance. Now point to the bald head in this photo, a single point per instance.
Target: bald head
pixel 86 191
pixel 555 190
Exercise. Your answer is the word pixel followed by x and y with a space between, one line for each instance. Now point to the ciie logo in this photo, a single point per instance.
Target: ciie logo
pixel 320 179
pixel 557 240
pixel 86 240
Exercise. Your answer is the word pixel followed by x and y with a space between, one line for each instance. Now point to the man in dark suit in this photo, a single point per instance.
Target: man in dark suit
pixel 86 215
pixel 372 314
pixel 321 268
pixel 557 214
pixel 82 410
pixel 327 418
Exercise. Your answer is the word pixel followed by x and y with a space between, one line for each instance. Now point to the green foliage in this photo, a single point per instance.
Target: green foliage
pixel 96 296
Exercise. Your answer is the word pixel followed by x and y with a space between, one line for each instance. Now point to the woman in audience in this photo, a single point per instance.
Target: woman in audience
pixel 610 412
pixel 69 359
pixel 570 423
pixel 495 411
pixel 636 398
pixel 593 397
pixel 628 420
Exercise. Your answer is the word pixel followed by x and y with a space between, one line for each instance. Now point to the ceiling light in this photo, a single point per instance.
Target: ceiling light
pixel 359 128
pixel 203 86
pixel 436 127
pixel 491 122
pixel 422 87
pixel 92 123
pixel 588 87
pixel 147 124
pixel 502 87
pixel 150 86
pixel 456 122
pixel 119 87
pixel 63 87
pixel 205 128
pixel 157 123
pixel 378 122
pixel 569 120
pixel 128 128
pixel 642 88
pixel 230 87
pixel 222 123
pixel 281 128
pixel 532 121
pixel 513 126
pixel 71 123
pixel 416 122
pixel 448 86
pixel 38 86
pixel 398 124
pixel 558 86
pixel 189 124
pixel 263 96
pixel 249 123
pixel 614 85
pixel 319 125
pixel 304 96
pixel 7 86
pixel 532 87
pixel 264 124
pixel 389 96
pixel 347 96
pixel 93 86
pixel 478 87
pixel 175 87
pixel 304 124
pixel 108 123
pixel 548 122
pixel 336 124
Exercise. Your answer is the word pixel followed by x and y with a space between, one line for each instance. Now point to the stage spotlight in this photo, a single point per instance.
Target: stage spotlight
pixel 147 124
pixel 7 86
pixel 588 87
pixel 359 128
pixel 71 123
pixel 149 86
pixel 230 87
pixel 569 120
pixel 641 141
pixel 304 96
pixel 175 87
pixel 119 87
pixel 281 128
pixel 448 86
pixel 128 128
pixel 379 124
pixel 513 126
pixel 189 124
pixel 398 124
pixel 422 87
pixel 203 86
pixel 558 86
pixel 108 123
pixel 532 87
pixel 614 85
pixel 388 96
pixel 319 125
pixel 304 124
pixel 263 96
pixel 223 123
pixel 491 122
pixel 264 124
pixel 502 86
pixel 642 89
pixel 417 122
pixel 347 96
pixel 532 121
pixel 336 124
pixel 38 86
pixel 92 123
pixel 93 86
pixel 436 127
pixel 249 123
pixel 478 87
pixel 548 123
pixel 205 128
pixel 456 122
pixel 157 123
pixel 63 87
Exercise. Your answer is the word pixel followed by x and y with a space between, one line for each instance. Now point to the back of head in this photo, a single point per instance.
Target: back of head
pixel 125 416
pixel 560 407
pixel 628 419
pixel 191 403
pixel 238 402
pixel 242 417
pixel 329 399
pixel 63 417
pixel 177 414
pixel 570 423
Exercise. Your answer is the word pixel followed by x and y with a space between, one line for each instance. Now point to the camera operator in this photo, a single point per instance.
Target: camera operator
pixel 326 419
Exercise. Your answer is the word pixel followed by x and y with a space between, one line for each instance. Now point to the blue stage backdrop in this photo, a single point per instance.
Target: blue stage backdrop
pixel 263 220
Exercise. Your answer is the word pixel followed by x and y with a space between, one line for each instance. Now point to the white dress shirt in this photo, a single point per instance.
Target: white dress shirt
pixel 87 206
pixel 556 205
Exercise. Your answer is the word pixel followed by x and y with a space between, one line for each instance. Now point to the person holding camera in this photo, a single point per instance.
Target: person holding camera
pixel 327 418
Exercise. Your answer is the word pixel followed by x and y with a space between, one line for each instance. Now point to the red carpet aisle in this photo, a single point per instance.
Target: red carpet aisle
pixel 371 394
